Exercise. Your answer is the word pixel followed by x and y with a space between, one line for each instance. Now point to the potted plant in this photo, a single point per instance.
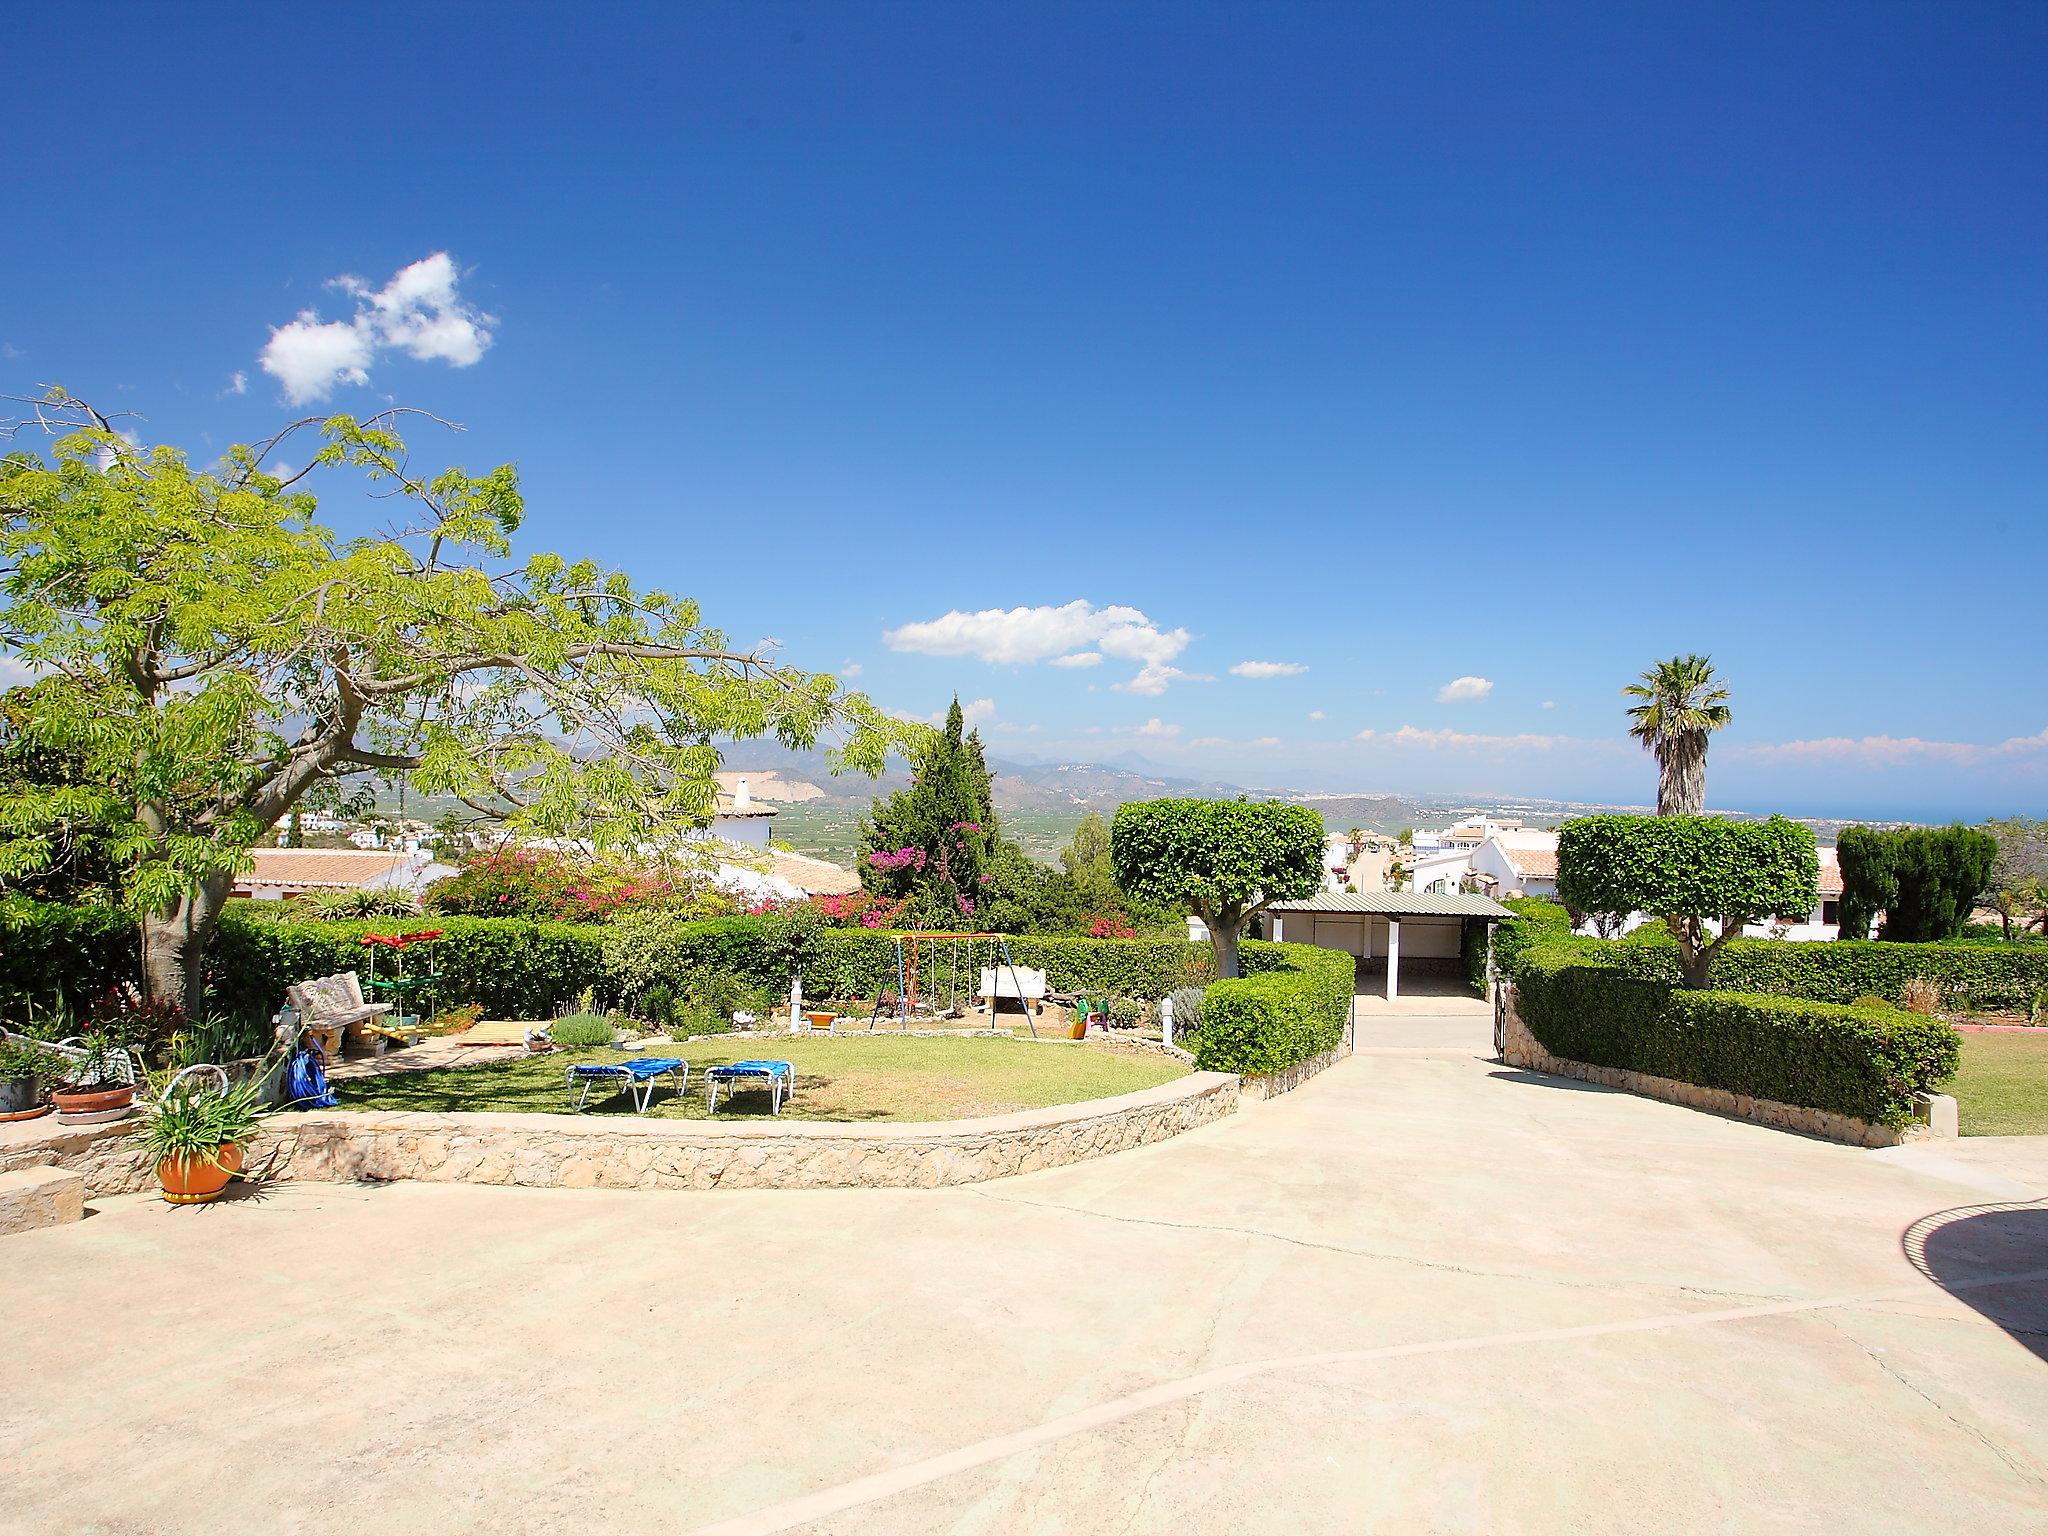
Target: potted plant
pixel 198 1129
pixel 26 1069
pixel 92 1091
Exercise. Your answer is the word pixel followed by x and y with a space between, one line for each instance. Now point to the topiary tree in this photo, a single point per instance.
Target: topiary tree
pixel 208 655
pixel 1224 860
pixel 1925 880
pixel 1689 870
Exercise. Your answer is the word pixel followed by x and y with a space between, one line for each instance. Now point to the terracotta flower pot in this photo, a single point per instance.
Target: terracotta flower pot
pixel 191 1180
pixel 91 1106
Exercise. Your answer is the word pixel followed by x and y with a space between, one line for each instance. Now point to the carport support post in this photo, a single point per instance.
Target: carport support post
pixel 1393 958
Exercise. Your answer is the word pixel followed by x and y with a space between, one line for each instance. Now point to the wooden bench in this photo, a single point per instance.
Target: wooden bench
pixel 332 1008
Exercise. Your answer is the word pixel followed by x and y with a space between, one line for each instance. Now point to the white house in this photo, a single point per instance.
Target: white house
pixel 1517 861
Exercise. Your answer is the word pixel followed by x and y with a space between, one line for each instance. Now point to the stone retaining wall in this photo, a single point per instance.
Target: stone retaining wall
pixel 615 1152
pixel 1522 1049
pixel 1287 1079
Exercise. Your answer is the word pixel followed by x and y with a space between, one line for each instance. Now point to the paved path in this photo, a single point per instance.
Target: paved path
pixel 1423 1293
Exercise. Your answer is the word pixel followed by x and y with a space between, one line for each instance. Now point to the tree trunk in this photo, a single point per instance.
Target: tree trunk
pixel 174 944
pixel 1682 776
pixel 1223 937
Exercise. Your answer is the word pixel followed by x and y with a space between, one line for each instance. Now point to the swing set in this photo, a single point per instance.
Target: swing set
pixel 904 1004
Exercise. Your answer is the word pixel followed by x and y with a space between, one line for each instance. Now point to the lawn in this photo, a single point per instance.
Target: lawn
pixel 866 1079
pixel 2002 1089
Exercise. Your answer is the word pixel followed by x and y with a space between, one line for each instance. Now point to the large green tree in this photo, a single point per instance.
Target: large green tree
pixel 1692 871
pixel 1925 880
pixel 2018 887
pixel 209 653
pixel 935 843
pixel 1226 861
pixel 1681 701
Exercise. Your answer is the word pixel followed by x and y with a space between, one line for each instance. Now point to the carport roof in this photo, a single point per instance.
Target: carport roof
pixel 1397 904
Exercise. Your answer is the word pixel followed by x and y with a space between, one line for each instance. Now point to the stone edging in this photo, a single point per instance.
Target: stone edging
pixel 616 1152
pixel 1287 1079
pixel 1523 1050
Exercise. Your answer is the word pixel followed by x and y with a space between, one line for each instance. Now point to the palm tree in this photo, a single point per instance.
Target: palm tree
pixel 1682 700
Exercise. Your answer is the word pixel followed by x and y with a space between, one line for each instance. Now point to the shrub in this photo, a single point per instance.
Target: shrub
pixel 1968 975
pixel 1924 879
pixel 1292 1006
pixel 1921 996
pixel 1535 921
pixel 1866 1062
pixel 514 970
pixel 1126 1012
pixel 58 956
pixel 582 1029
pixel 1187 1012
pixel 1688 870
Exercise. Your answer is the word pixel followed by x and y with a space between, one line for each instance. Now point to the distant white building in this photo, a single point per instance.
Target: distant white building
pixel 282 872
pixel 1822 924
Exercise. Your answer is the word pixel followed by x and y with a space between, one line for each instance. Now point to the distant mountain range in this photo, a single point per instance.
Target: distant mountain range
pixel 1041 801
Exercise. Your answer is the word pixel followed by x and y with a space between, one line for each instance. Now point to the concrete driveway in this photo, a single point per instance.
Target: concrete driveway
pixel 1422 1293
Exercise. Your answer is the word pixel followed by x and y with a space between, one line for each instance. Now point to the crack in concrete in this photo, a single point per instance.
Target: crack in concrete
pixel 825 1502
pixel 2020 1468
pixel 1440 1265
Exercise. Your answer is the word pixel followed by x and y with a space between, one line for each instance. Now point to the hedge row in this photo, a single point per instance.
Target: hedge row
pixel 1292 1004
pixel 1866 1062
pixel 50 953
pixel 1969 975
pixel 514 969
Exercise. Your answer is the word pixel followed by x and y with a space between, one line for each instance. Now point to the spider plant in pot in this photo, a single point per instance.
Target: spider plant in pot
pixel 197 1127
pixel 26 1069
pixel 94 1091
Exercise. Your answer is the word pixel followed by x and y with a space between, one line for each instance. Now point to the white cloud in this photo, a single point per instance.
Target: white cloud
pixel 238 383
pixel 10 351
pixel 16 673
pixel 1317 714
pixel 1884 751
pixel 1158 728
pixel 1266 741
pixel 1269 669
pixel 977 711
pixel 850 669
pixel 1460 689
pixel 1550 703
pixel 1017 636
pixel 418 312
pixel 1153 677
pixel 1079 659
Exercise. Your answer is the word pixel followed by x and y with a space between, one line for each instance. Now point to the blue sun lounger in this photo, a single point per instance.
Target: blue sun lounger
pixel 781 1078
pixel 635 1078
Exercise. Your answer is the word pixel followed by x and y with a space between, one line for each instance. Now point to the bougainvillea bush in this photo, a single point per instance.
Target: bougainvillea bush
pixel 553 887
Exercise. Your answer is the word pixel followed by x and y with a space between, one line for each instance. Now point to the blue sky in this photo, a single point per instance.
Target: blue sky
pixel 1402 345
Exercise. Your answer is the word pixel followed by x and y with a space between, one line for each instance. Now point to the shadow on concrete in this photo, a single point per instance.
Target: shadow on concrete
pixel 1545 1080
pixel 1995 1258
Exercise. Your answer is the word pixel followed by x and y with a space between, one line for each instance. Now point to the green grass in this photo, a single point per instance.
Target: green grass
pixel 2002 1089
pixel 861 1079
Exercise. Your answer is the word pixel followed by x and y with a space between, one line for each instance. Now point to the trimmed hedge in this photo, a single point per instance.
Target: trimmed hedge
pixel 514 969
pixel 1866 1062
pixel 49 951
pixel 1291 1004
pixel 1969 975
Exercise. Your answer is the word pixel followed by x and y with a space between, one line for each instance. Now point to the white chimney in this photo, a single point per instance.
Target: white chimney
pixel 742 797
